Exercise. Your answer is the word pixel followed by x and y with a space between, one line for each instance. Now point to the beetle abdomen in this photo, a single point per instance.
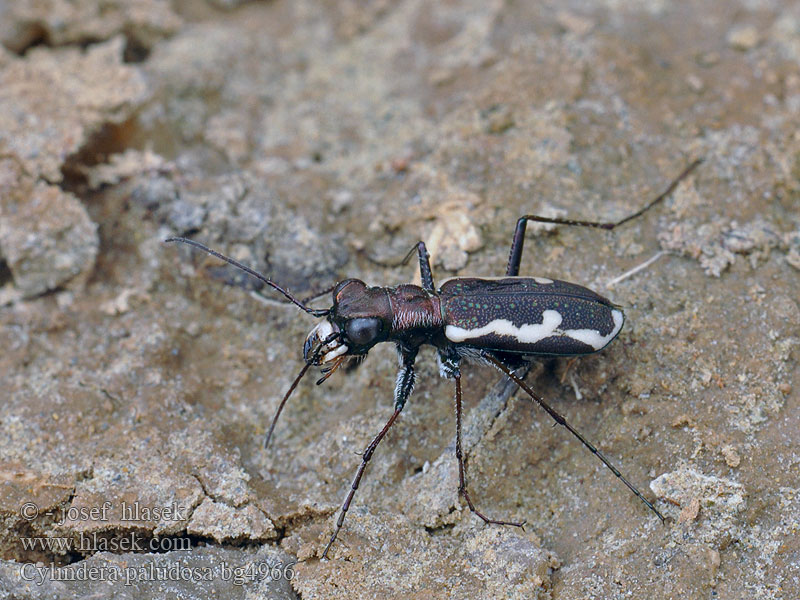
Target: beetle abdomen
pixel 526 315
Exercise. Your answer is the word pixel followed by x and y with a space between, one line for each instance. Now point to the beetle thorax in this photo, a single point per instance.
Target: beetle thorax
pixel 414 308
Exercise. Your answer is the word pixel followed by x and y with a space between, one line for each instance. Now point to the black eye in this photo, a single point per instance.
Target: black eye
pixel 362 330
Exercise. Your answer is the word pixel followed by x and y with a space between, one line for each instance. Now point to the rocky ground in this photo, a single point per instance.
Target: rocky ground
pixel 318 141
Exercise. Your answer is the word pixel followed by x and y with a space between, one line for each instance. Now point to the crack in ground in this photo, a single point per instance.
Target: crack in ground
pixel 37 35
pixel 33 545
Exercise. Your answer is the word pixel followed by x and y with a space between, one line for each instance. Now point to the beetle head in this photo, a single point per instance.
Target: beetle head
pixel 359 319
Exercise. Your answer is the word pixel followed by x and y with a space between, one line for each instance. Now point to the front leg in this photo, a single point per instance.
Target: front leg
pixel 403 388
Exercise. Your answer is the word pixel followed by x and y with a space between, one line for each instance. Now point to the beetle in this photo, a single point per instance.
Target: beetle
pixel 503 322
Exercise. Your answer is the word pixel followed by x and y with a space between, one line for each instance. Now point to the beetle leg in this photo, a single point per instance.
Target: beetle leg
pixel 515 255
pixel 405 384
pixel 562 421
pixel 462 467
pixel 426 274
pixel 518 241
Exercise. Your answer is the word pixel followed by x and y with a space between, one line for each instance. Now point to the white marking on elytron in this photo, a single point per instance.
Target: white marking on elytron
pixel 334 348
pixel 533 333
pixel 541 280
pixel 527 334
pixel 593 337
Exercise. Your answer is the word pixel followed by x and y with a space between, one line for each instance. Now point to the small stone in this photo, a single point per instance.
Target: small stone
pixel 708 59
pixel 185 216
pixel 743 38
pixel 193 329
pixel 499 119
pixel 574 23
pixel 46 236
pixel 341 200
pixel 731 456
pixel 718 494
pixel 122 302
pixel 633 407
pixel 400 164
pixel 155 192
pixel 682 420
pixel 124 165
pixel 695 83
pixel 690 511
pixel 793 258
pixel 224 522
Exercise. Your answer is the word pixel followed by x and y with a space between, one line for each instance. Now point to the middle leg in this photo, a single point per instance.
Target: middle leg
pixel 462 467
pixel 425 272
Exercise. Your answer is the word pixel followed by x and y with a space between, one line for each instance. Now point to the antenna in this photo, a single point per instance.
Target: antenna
pixel 316 312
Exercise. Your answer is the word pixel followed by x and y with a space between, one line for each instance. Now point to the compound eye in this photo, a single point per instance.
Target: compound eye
pixel 363 330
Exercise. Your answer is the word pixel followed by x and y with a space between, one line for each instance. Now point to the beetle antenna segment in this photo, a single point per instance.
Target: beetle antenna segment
pixel 312 311
pixel 292 387
pixel 283 402
pixel 319 294
pixel 562 421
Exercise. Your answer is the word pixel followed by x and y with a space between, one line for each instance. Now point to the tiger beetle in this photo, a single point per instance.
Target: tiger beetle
pixel 503 322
